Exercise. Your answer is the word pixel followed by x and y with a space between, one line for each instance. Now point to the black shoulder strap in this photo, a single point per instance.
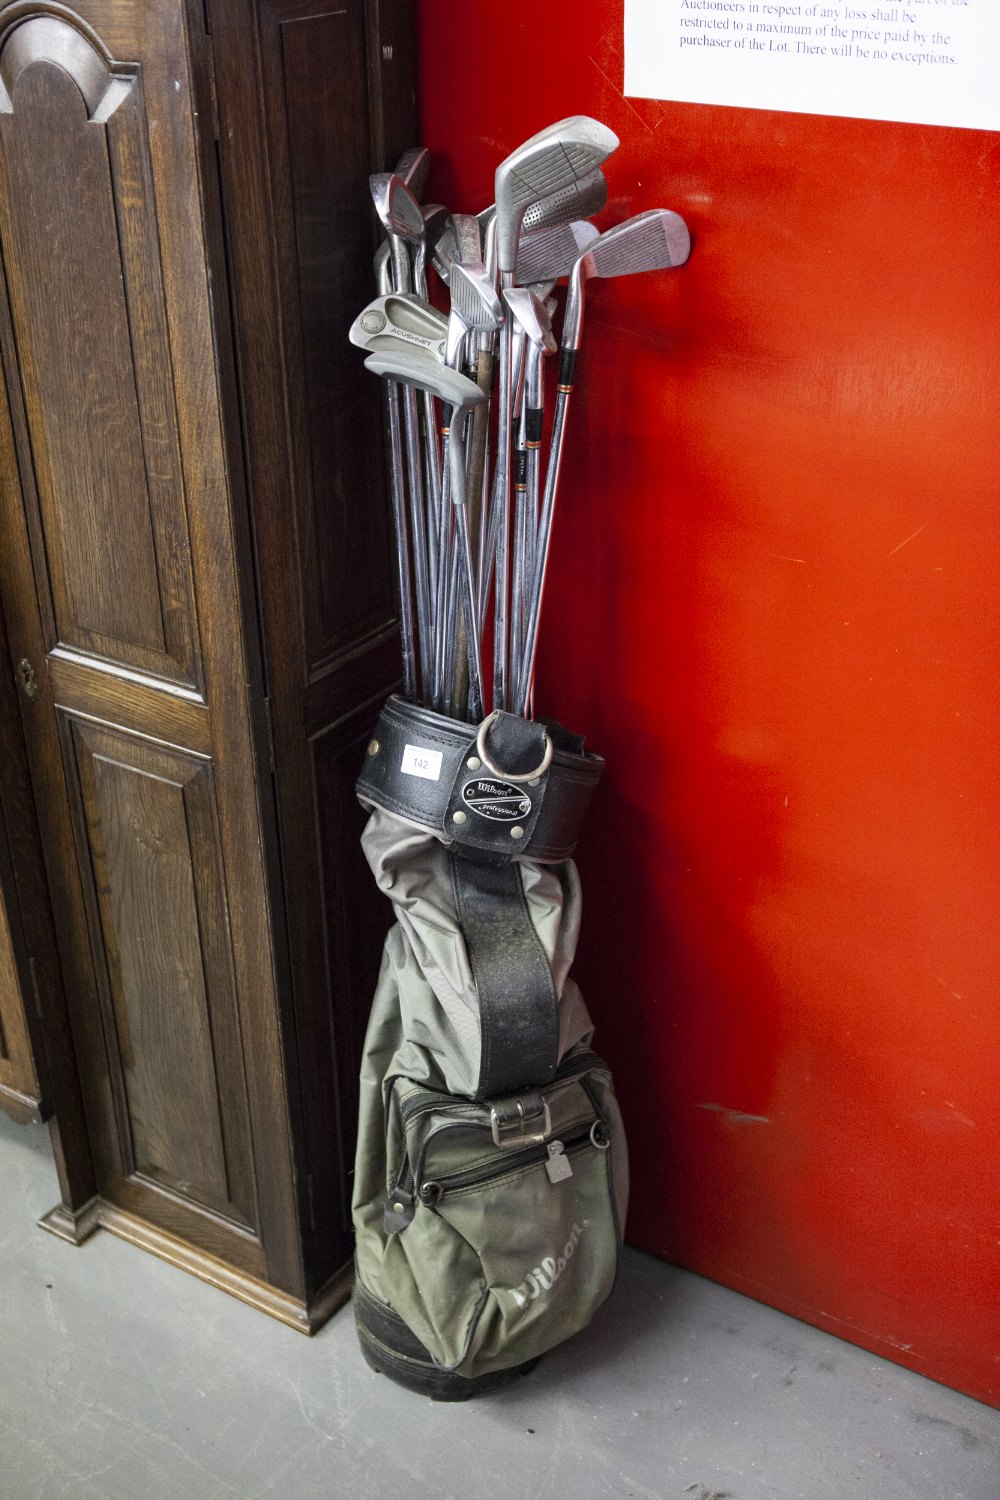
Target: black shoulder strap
pixel 518 1005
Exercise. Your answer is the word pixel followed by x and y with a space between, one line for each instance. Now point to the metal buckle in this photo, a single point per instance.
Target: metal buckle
pixel 484 755
pixel 523 1136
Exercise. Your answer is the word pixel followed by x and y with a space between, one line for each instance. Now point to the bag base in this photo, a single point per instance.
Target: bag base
pixel 390 1348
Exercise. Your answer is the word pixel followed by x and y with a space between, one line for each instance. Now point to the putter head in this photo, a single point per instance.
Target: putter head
pixel 549 254
pixel 399 320
pixel 396 207
pixel 544 165
pixel 653 241
pixel 578 200
pixel 531 314
pixel 410 367
pixel 414 167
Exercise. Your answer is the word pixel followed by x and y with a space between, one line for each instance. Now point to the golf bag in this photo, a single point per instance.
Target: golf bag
pixel 491 1178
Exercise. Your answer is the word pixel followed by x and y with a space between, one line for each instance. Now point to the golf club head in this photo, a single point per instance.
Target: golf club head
pixel 474 298
pixel 397 208
pixel 435 219
pixel 400 319
pixel 550 161
pixel 414 167
pixel 531 314
pixel 458 241
pixel 475 307
pixel 423 373
pixel 578 200
pixel 654 241
pixel 549 254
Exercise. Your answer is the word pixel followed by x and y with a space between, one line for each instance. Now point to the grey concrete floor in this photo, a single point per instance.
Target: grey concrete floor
pixel 122 1378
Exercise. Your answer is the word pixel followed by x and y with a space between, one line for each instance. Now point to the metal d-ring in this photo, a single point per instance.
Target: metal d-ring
pixel 540 769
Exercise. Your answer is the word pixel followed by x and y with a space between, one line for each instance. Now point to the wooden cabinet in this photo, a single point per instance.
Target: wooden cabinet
pixel 196 579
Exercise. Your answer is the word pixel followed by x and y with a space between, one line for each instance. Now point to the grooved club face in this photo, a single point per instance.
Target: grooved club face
pixel 414 167
pixel 654 241
pixel 458 241
pixel 475 306
pixel 396 207
pixel 543 166
pixel 578 200
pixel 549 254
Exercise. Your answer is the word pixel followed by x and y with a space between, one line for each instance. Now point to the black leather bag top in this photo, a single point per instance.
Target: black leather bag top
pixel 512 789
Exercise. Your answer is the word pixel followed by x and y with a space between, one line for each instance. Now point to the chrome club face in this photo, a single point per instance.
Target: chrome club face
pixel 414 168
pixel 475 307
pixel 550 254
pixel 547 164
pixel 400 320
pixel 654 241
pixel 579 200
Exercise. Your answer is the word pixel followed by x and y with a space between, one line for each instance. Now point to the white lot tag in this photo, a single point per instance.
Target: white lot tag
pixel 420 762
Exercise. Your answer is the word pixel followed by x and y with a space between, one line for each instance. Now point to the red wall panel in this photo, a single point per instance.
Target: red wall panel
pixel 773 606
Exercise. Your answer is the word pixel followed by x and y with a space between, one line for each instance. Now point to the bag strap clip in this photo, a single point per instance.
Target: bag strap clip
pixel 521 1121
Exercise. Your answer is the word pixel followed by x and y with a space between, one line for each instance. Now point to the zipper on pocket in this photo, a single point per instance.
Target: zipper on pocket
pixel 431 1191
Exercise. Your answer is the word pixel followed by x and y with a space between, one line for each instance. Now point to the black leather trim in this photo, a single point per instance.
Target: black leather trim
pixel 547 816
pixel 518 1005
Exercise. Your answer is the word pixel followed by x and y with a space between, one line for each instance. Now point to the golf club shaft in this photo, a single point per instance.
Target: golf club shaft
pixel 400 522
pixel 501 519
pixel 534 607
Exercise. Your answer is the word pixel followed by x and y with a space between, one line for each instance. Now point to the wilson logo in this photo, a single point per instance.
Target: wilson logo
pixel 544 1276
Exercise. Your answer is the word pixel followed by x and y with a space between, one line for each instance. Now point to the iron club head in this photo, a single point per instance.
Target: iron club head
pixel 458 241
pixel 414 167
pixel 545 165
pixel 531 314
pixel 577 200
pixel 549 254
pixel 475 306
pixel 396 206
pixel 653 241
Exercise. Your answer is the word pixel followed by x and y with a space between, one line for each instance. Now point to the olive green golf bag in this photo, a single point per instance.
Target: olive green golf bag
pixel 491 1178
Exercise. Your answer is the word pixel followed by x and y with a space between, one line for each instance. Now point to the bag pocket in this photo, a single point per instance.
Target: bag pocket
pixel 503 1221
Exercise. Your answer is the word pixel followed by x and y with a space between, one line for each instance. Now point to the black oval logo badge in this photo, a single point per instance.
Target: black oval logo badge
pixel 500 801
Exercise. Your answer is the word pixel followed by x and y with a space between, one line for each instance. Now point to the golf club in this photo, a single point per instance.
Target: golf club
pixel 653 241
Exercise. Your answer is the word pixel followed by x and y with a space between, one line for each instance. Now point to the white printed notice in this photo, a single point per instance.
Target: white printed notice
pixel 928 62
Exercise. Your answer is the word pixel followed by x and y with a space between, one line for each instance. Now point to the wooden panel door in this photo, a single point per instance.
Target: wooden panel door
pixel 121 585
pixel 333 101
pixel 20 1081
pixel 21 1048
